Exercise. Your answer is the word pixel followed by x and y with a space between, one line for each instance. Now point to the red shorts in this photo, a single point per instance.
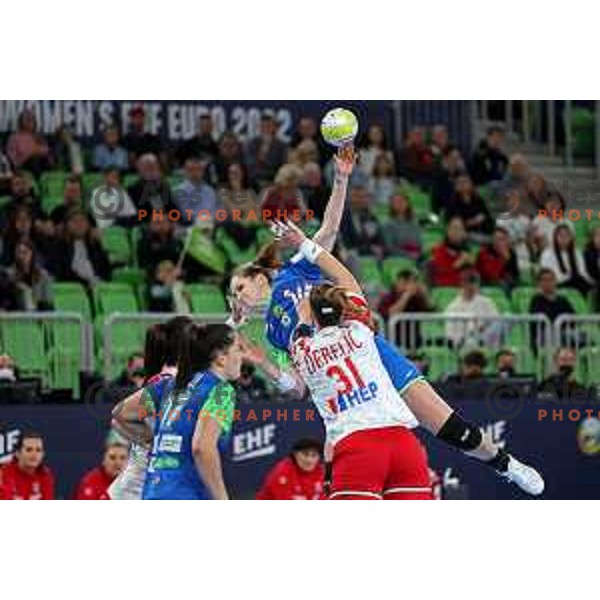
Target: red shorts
pixel 387 463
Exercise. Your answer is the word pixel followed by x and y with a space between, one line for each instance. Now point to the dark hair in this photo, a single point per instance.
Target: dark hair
pixel 494 129
pixel 28 434
pixel 330 304
pixel 34 273
pixel 504 352
pixel 544 271
pixel 307 444
pixel 265 263
pixel 408 213
pixel 175 329
pixel 405 274
pixel 155 349
pixel 570 251
pixel 200 345
pixel 475 358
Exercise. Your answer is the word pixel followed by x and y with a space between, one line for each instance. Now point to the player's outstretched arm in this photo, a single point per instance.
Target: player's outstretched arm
pixel 344 164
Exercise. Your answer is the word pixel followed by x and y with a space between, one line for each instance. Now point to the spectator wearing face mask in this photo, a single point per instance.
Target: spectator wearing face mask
pixel 297 477
pixel 26 477
pixel 506 364
pixel 95 483
pixel 562 382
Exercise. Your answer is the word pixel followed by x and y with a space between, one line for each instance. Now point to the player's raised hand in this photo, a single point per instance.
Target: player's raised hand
pixel 288 233
pixel 344 161
pixel 252 353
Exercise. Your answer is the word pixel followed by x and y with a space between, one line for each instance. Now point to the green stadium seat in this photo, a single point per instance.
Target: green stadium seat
pixel 4 200
pixel 369 272
pixel 442 296
pixel 115 241
pixel 114 297
pixel 65 352
pixel 206 298
pixel 576 299
pixel 420 200
pixel 129 180
pixel 393 265
pixel 521 299
pixel 52 183
pixel 234 253
pixel 92 180
pixel 49 203
pixel 24 341
pixel 431 238
pixel 499 297
pixel 129 275
pixel 72 297
pixel 442 360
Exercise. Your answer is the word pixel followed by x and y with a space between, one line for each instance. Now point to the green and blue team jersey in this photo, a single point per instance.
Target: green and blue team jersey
pixel 172 473
pixel 290 286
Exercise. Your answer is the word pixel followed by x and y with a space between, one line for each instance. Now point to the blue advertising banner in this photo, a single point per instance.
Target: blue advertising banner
pixel 565 450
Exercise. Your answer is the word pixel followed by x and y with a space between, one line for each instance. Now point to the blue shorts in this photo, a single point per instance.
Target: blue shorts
pixel 402 371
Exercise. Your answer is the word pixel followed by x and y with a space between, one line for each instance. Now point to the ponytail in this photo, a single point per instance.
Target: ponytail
pixel 330 305
pixel 266 262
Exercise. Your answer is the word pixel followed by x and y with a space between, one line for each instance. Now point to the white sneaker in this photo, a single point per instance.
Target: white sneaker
pixel 524 476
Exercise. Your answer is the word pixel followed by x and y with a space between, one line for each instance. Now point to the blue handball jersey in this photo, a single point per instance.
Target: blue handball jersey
pixel 172 473
pixel 290 286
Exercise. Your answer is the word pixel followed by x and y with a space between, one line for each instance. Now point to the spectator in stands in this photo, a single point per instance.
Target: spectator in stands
pixel 81 256
pixel 566 261
pixel 166 290
pixel 72 200
pixel 536 190
pixel 408 295
pixel 18 227
pixel 515 179
pixel 8 292
pixel 472 303
pixel 518 225
pixel 285 194
pixel 23 194
pixel 472 365
pixel 546 301
pixel 32 281
pixel 373 146
pixel 138 142
pixel 26 148
pixel 151 191
pixel 401 233
pixel 467 204
pixel 307 130
pixel 506 364
pixel 449 167
pixel 362 231
pixel 416 160
pixel 95 483
pixel 194 197
pixel 158 243
pixel 547 220
pixel 449 257
pixel 497 262
pixel 592 255
pixel 8 368
pixel 26 477
pixel 201 145
pixel 133 376
pixel 562 383
pixel 236 194
pixel 265 154
pixel 314 190
pixel 110 204
pixel 6 174
pixel 297 477
pixel 440 143
pixel 110 153
pixel 250 386
pixel 305 152
pixel 382 183
pixel 67 153
pixel 230 152
pixel 489 162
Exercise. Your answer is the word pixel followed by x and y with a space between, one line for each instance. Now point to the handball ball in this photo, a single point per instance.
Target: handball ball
pixel 339 127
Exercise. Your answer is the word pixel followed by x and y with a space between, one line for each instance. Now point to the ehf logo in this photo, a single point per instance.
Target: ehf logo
pixel 8 444
pixel 254 443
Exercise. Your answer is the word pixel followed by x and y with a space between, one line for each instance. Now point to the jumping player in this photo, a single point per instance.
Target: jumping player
pixel 342 365
pixel 195 417
pixel 160 359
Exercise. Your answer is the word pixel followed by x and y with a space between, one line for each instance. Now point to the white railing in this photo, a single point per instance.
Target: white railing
pixel 445 338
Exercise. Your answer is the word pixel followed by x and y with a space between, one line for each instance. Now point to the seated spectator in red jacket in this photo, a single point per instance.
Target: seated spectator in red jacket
pixel 497 262
pixel 449 257
pixel 298 476
pixel 95 483
pixel 26 477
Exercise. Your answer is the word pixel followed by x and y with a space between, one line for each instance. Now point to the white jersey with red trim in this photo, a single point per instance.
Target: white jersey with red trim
pixel 348 382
